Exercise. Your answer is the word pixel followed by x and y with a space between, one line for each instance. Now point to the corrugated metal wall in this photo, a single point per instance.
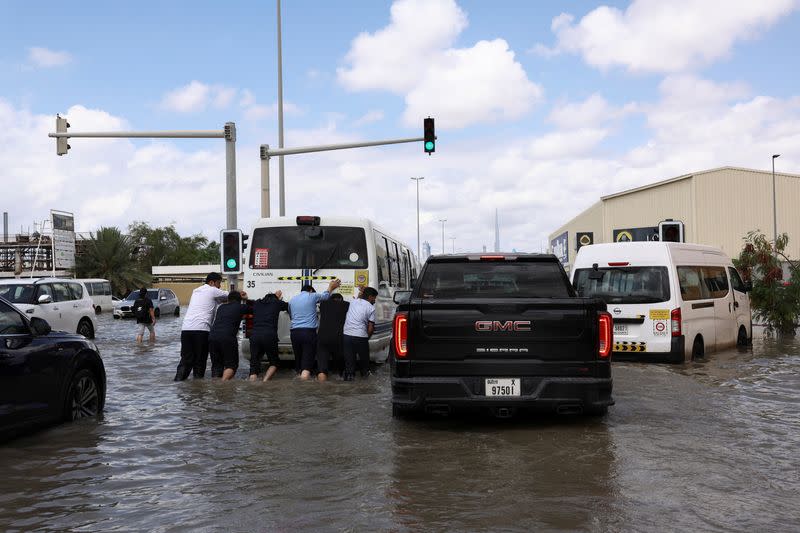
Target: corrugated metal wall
pixel 649 207
pixel 717 207
pixel 732 202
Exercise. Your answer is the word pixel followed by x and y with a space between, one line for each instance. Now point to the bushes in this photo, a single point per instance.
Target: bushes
pixel 773 301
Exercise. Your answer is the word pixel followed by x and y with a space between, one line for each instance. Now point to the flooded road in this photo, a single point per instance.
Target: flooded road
pixel 708 446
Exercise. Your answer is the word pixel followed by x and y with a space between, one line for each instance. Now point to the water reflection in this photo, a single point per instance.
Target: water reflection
pixel 710 445
pixel 489 475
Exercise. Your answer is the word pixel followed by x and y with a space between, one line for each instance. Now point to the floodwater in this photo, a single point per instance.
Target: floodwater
pixel 708 446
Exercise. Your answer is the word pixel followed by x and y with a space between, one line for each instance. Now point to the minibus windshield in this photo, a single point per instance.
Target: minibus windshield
pixel 293 247
pixel 624 285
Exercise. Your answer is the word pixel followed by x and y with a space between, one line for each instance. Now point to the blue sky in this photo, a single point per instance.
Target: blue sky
pixel 541 107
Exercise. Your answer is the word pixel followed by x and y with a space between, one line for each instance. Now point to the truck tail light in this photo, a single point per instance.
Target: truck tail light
pixel 675 317
pixel 606 334
pixel 400 333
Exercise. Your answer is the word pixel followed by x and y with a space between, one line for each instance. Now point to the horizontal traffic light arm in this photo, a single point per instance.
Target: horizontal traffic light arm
pixel 267 152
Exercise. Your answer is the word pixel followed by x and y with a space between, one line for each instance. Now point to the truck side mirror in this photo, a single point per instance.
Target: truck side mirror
pixel 401 297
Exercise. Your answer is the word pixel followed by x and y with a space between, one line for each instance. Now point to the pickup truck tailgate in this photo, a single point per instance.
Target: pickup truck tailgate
pixel 546 329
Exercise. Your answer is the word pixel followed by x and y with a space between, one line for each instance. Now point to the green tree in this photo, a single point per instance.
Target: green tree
pixel 110 255
pixel 164 246
pixel 774 302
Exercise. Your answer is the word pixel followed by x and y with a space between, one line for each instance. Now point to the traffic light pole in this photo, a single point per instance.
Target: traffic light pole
pixel 228 133
pixel 266 153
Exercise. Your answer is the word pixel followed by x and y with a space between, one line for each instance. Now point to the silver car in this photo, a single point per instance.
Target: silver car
pixel 164 303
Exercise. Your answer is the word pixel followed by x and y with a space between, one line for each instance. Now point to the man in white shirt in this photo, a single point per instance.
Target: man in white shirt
pixel 359 325
pixel 196 325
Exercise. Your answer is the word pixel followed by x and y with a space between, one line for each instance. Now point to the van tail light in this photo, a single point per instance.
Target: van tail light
pixel 400 334
pixel 675 319
pixel 606 334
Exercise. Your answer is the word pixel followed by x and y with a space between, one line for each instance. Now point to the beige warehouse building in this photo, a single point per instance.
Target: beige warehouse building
pixel 717 207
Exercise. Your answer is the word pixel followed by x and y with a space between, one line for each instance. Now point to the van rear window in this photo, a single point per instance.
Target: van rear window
pixel 624 285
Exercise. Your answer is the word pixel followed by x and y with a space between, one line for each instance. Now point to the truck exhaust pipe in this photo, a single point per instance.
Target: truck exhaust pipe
pixel 439 409
pixel 569 409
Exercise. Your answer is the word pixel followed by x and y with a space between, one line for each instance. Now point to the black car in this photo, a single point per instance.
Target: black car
pixel 45 376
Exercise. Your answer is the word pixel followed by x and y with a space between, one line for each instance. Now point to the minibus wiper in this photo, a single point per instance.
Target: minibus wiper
pixel 325 263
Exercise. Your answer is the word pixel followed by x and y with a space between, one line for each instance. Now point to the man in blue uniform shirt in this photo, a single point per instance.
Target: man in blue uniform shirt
pixel 303 312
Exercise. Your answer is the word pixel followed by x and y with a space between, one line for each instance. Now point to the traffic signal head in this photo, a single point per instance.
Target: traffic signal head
pixel 430 135
pixel 231 251
pixel 62 147
pixel 671 231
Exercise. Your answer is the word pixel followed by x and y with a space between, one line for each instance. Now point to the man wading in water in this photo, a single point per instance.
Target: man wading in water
pixel 196 324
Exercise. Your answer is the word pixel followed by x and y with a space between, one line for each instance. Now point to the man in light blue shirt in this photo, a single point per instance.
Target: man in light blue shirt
pixel 303 312
pixel 358 328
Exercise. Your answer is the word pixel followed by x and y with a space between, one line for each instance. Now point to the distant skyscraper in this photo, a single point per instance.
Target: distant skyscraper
pixel 426 250
pixel 496 231
pixel 484 248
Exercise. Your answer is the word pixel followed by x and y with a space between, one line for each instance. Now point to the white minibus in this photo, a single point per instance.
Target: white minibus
pixel 285 253
pixel 100 292
pixel 670 302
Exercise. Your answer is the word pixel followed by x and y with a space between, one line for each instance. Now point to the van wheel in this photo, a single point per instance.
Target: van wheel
pixel 157 312
pixel 85 328
pixel 177 311
pixel 698 351
pixel 741 339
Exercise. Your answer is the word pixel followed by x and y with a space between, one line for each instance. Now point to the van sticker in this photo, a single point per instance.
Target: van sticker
pixel 659 314
pixel 660 328
pixel 362 278
pixel 630 346
pixel 262 258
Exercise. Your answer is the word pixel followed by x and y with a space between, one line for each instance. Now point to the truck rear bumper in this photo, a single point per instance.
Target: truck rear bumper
pixel 543 394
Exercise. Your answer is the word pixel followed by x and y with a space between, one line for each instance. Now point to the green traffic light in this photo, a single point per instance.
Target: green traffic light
pixel 231 263
pixel 429 145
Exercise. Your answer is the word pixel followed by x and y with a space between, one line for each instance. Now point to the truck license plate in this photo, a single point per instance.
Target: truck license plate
pixel 620 329
pixel 502 387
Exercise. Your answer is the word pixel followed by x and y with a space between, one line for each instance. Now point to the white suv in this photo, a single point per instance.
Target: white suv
pixel 64 303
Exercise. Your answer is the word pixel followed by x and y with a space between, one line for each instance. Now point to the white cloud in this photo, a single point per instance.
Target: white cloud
pixel 376 115
pixel 197 96
pixel 473 85
pixel 413 56
pixel 537 182
pixel 46 58
pixel 590 112
pixel 396 56
pixel 658 36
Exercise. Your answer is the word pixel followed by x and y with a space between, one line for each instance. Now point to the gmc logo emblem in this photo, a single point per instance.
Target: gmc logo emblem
pixel 508 325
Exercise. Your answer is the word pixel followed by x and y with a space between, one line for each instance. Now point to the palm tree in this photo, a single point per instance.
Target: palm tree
pixel 111 255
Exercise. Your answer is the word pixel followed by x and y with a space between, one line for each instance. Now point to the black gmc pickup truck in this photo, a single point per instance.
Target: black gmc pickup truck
pixel 503 333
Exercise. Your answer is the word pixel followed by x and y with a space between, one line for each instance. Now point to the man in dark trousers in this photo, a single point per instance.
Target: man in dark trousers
pixel 196 324
pixel 223 339
pixel 358 328
pixel 332 313
pixel 145 316
pixel 303 332
pixel 264 335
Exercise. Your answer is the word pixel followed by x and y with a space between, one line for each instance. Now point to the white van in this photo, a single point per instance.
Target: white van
pixel 670 301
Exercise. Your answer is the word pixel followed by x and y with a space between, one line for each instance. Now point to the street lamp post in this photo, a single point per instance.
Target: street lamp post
pixel 443 220
pixel 774 208
pixel 418 243
pixel 454 243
